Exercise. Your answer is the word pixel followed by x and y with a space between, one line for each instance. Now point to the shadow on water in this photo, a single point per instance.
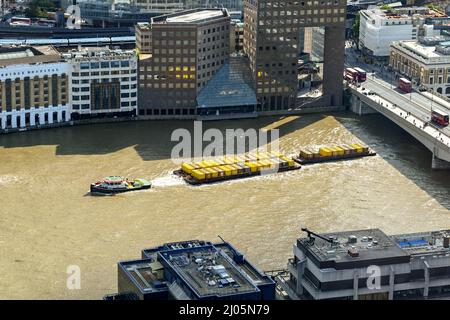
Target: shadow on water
pixel 150 139
pixel 402 151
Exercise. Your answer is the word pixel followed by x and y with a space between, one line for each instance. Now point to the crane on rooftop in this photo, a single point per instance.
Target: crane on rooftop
pixel 309 232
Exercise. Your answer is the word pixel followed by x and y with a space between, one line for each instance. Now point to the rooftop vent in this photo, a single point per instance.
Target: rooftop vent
pixel 446 241
pixel 443 48
pixel 352 239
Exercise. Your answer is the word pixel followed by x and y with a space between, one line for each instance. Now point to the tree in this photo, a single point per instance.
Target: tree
pixel 355 28
pixel 385 7
pixel 39 8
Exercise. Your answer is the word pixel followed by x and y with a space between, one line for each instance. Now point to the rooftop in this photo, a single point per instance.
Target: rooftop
pixel 88 52
pixel 424 243
pixel 383 14
pixel 12 55
pixel 194 16
pixel 207 269
pixel 209 272
pixel 426 53
pixel 353 249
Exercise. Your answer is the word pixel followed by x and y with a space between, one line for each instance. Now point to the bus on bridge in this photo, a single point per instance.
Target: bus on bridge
pixel 439 117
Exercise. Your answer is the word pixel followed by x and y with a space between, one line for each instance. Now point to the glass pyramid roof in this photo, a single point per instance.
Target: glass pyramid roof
pixel 231 86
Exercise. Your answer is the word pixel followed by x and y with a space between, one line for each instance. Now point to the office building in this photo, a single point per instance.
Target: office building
pixel 34 87
pixel 111 13
pixel 369 265
pixel 271 33
pixel 103 82
pixel 178 54
pixel 192 270
pixel 379 28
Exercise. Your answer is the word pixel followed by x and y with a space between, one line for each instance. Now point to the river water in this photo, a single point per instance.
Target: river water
pixel 48 222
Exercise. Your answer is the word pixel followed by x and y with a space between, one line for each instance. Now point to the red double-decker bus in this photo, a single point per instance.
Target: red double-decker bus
pixel 404 85
pixel 439 117
pixel 351 74
pixel 362 75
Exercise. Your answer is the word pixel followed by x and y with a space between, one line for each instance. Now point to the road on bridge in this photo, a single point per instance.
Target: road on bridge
pixel 383 83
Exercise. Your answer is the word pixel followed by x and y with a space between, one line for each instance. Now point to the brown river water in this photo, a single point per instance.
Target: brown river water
pixel 48 221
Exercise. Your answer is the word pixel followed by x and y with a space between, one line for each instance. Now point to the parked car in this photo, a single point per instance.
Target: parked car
pixel 423 88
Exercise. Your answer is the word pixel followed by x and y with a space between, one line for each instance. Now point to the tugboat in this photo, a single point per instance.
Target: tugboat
pixel 115 184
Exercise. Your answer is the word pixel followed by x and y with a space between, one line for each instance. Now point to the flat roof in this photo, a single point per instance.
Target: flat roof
pixel 144 274
pixel 372 246
pixel 208 269
pixel 423 243
pixel 426 53
pixel 12 55
pixel 193 16
pixel 196 16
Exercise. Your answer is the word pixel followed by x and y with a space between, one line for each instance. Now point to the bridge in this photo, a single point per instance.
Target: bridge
pixel 410 111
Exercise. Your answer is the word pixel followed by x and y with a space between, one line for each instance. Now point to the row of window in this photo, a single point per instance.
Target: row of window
pixel 103 73
pixel 164 112
pixel 315 3
pixel 87 97
pixel 298 13
pixel 170 85
pixel 88 81
pixel 87 89
pixel 105 64
pixel 123 104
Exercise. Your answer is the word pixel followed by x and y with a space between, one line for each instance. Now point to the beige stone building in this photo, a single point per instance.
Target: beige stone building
pixel 426 63
pixel 34 87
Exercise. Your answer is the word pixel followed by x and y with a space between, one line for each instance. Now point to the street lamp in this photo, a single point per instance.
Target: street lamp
pixel 432 97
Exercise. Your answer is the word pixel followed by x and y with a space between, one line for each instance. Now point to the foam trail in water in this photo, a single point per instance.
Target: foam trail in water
pixel 168 180
pixel 7 179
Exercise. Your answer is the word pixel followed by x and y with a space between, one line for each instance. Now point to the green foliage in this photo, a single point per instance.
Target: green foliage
pixel 39 8
pixel 355 27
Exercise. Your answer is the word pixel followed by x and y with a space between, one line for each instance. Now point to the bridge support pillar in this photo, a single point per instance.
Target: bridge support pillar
pixel 359 107
pixel 439 164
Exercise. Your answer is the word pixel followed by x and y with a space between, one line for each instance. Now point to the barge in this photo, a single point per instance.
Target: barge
pixel 333 153
pixel 115 184
pixel 235 167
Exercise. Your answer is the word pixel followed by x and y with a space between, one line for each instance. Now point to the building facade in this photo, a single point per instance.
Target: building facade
pixel 236 36
pixel 379 28
pixel 179 54
pixel 369 265
pixel 34 87
pixel 103 82
pixel 271 42
pixel 425 62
